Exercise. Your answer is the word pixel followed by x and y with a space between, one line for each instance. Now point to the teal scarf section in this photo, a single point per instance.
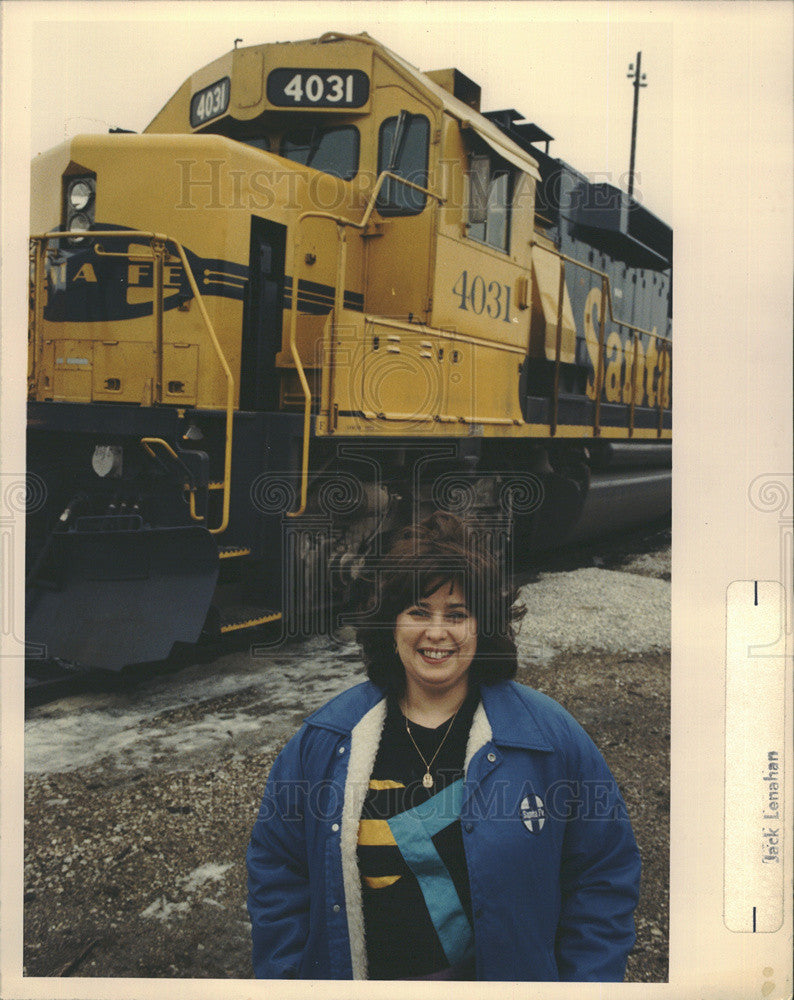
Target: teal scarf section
pixel 412 831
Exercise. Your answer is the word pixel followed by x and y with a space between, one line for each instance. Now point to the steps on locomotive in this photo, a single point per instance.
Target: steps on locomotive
pixel 233 610
pixel 234 606
pixel 233 552
pixel 237 617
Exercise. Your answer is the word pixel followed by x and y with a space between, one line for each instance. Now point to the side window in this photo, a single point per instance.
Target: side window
pixel 332 150
pixel 402 149
pixel 490 196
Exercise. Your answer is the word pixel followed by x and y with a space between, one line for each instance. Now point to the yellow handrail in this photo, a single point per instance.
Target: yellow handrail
pixel 606 300
pixel 158 241
pixel 339 292
pixel 636 339
pixel 605 279
pixel 599 378
pixel 35 257
pixel 227 457
pixel 664 372
pixel 558 348
pixel 146 442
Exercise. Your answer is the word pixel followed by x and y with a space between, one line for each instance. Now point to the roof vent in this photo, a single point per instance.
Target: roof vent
pixel 458 84
pixel 524 133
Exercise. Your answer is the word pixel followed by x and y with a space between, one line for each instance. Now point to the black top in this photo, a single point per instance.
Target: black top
pixel 402 941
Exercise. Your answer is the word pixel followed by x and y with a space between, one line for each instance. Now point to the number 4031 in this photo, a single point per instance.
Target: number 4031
pixel 478 296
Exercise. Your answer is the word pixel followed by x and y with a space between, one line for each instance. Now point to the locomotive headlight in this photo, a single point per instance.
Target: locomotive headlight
pixel 80 194
pixel 79 221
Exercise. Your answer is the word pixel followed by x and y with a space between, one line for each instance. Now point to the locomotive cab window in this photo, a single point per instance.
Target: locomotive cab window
pixel 402 149
pixel 490 196
pixel 257 141
pixel 253 133
pixel 332 150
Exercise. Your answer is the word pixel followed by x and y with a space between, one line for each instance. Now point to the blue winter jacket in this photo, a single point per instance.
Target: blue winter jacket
pixel 553 865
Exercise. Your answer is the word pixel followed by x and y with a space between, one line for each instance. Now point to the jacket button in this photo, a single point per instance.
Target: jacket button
pixel 492 757
pixel 468 827
pixel 336 907
pixel 335 828
pixel 341 749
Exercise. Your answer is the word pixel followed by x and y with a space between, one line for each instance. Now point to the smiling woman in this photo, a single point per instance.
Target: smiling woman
pixel 440 821
pixel 442 616
pixel 436 640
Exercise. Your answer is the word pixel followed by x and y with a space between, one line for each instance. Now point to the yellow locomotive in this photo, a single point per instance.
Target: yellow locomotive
pixel 321 292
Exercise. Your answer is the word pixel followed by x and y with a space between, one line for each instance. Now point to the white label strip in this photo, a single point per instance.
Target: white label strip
pixel 754 757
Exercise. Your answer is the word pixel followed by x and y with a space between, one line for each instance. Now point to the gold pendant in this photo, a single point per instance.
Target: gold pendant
pixel 427 780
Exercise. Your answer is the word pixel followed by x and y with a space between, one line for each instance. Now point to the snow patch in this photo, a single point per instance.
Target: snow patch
pixel 209 872
pixel 164 909
pixel 161 909
pixel 86 729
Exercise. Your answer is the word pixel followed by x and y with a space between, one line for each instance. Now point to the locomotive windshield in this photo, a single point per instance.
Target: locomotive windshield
pixel 403 150
pixel 332 150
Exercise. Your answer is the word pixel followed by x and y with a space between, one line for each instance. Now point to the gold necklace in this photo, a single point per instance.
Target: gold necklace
pixel 427 778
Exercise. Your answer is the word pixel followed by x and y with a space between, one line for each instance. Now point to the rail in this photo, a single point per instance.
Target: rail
pixel 158 243
pixel 637 331
pixel 339 295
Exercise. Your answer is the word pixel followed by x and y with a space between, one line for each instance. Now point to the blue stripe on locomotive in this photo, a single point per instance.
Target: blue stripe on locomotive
pixel 83 287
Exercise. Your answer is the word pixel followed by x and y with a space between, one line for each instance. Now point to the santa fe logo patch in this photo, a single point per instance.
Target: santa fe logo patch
pixel 533 813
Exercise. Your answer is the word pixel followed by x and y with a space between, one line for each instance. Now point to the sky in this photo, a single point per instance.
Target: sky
pixel 564 66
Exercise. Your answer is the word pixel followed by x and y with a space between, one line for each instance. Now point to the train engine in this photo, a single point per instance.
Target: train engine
pixel 320 294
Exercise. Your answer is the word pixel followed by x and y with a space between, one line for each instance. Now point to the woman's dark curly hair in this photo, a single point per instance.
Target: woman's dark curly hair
pixel 441 550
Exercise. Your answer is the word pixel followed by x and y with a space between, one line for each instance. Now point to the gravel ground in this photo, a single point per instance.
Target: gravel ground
pixel 140 802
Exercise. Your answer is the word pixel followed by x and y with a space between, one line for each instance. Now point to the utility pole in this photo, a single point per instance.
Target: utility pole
pixel 639 81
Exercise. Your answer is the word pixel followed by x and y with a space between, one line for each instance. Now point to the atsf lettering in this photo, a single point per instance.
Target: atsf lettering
pixel 142 275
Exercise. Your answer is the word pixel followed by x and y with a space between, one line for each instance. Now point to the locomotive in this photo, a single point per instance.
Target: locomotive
pixel 322 293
